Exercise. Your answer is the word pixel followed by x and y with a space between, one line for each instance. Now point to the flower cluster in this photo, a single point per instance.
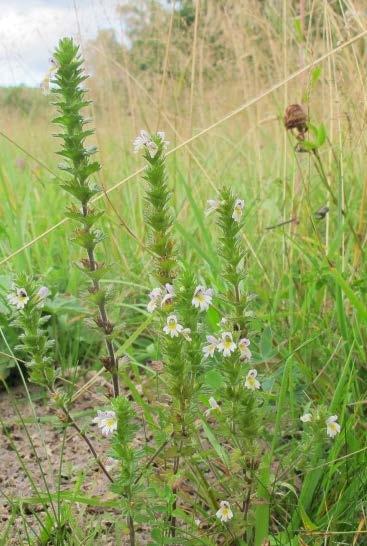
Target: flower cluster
pixel 226 346
pixel 145 141
pixel 214 204
pixel 332 427
pixel 163 296
pixel 160 297
pixel 19 296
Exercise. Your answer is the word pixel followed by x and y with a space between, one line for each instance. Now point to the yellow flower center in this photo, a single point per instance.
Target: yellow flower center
pixel 227 342
pixel 110 422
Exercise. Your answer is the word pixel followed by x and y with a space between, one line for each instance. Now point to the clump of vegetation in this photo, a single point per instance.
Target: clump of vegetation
pixel 237 448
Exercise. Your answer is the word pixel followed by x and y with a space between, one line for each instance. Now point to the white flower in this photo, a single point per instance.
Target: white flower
pixel 144 140
pixel 45 83
pixel 168 296
pixel 223 321
pixel 213 406
pixel 18 297
pixel 186 334
pixel 332 427
pixel 209 350
pixel 106 421
pixel 211 206
pixel 172 327
pixel 306 418
pixel 162 136
pixel 110 464
pixel 160 297
pixel 154 299
pixel 224 513
pixel 238 210
pixel 251 382
pixel 202 298
pixel 152 148
pixel 243 346
pixel 141 141
pixel 43 293
pixel 226 345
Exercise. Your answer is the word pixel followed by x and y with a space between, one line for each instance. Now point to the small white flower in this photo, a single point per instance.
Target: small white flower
pixel 223 321
pixel 172 327
pixel 213 406
pixel 168 296
pixel 202 298
pixel 306 418
pixel 332 427
pixel 141 141
pixel 238 210
pixel 144 140
pixel 45 84
pixel 211 206
pixel 226 345
pixel 18 297
pixel 152 148
pixel 43 293
pixel 251 382
pixel 110 464
pixel 154 299
pixel 160 297
pixel 106 421
pixel 209 349
pixel 162 136
pixel 243 346
pixel 186 334
pixel 224 513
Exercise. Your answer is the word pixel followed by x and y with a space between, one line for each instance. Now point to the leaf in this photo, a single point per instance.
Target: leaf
pixel 213 379
pixel 297 24
pixel 262 512
pixel 266 346
pixel 321 135
pixel 308 524
pixel 315 75
pixel 222 454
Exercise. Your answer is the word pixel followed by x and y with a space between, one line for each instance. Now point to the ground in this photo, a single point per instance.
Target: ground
pixel 48 441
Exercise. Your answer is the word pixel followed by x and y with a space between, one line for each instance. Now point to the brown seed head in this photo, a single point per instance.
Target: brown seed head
pixel 295 118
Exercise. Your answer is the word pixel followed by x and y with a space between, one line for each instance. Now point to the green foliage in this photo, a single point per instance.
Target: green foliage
pixel 33 340
pixel 158 214
pixel 177 455
pixel 80 168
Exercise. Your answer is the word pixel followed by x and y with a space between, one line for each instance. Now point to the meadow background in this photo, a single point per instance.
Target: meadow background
pixel 182 67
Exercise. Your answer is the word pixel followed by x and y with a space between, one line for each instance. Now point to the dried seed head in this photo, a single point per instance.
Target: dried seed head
pixel 295 118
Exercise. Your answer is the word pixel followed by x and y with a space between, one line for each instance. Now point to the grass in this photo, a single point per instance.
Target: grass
pixel 309 276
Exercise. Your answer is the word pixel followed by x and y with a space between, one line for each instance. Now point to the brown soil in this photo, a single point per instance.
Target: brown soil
pixel 18 457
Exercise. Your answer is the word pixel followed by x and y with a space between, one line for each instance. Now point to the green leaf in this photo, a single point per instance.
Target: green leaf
pixel 213 379
pixel 315 75
pixel 221 452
